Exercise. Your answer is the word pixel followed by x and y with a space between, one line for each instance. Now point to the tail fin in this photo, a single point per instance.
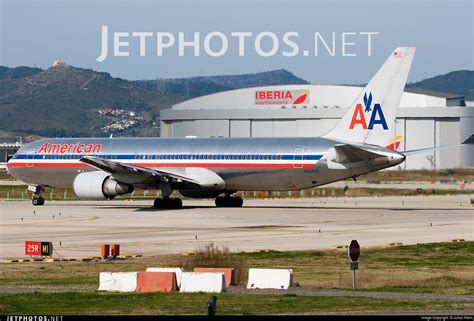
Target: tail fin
pixel 371 117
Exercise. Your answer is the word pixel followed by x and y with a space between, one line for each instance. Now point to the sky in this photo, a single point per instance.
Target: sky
pixel 35 33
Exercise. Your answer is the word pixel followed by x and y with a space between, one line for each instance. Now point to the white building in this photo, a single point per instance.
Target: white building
pixel 425 119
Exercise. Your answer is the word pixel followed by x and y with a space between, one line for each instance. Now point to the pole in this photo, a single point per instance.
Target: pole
pixel 354 279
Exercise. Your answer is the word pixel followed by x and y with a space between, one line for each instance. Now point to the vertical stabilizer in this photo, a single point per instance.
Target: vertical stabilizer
pixel 371 117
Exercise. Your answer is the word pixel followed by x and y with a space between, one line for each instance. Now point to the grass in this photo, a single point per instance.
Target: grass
pixel 196 304
pixel 446 268
pixel 451 174
pixel 431 268
pixel 21 192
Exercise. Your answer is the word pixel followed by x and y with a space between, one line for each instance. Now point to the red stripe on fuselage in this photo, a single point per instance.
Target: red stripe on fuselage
pixel 206 165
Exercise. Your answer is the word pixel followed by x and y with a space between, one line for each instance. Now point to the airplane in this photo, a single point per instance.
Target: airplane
pixel 362 141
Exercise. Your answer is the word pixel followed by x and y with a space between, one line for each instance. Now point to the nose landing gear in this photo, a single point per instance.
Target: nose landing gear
pixel 37 199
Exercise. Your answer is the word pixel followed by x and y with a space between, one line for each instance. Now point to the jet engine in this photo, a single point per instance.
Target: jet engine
pixel 99 186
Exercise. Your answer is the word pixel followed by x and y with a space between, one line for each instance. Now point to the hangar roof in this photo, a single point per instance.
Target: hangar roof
pixel 307 96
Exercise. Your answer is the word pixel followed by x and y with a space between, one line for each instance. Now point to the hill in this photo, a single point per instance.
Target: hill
pixel 68 101
pixel 459 82
pixel 18 72
pixel 64 101
pixel 200 86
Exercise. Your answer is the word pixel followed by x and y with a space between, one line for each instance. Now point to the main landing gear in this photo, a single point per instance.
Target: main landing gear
pixel 229 201
pixel 168 202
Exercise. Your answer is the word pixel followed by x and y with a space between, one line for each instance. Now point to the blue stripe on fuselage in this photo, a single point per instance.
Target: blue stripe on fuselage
pixel 172 156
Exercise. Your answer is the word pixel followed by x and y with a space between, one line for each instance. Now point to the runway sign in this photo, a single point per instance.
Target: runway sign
pixel 36 248
pixel 32 248
pixel 46 249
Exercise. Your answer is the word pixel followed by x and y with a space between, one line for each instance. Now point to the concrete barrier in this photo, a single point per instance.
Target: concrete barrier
pixel 118 281
pixel 156 282
pixel 270 279
pixel 202 282
pixel 178 271
pixel 228 273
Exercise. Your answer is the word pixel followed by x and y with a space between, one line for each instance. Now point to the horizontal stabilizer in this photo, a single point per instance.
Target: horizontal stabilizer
pixel 349 153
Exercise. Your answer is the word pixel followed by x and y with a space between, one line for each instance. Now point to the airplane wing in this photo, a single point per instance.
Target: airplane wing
pixel 132 173
pixel 157 177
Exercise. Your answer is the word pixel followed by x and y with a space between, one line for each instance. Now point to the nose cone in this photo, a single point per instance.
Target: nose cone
pixel 15 163
pixel 11 164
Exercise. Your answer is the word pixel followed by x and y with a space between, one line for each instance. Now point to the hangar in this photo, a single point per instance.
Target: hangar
pixel 425 119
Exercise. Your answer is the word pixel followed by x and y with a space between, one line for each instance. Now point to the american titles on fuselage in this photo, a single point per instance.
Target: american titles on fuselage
pixel 77 148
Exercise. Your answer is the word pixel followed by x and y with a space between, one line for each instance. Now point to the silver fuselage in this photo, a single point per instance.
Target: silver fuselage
pixel 243 163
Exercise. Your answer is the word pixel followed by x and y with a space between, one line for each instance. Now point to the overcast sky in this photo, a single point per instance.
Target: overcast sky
pixel 36 33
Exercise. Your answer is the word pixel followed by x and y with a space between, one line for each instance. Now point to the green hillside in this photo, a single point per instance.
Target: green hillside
pixel 62 100
pixel 18 72
pixel 200 86
pixel 459 82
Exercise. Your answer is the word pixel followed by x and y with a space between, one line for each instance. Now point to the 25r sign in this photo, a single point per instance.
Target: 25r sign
pixel 36 248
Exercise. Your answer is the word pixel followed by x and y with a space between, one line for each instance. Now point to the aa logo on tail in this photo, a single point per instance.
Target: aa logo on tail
pixel 376 116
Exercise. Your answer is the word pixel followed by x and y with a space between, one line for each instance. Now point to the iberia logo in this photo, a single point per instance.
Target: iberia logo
pixel 376 114
pixel 281 97
pixel 394 143
pixel 302 97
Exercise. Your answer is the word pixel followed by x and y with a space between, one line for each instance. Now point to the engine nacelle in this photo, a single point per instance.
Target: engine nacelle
pixel 99 186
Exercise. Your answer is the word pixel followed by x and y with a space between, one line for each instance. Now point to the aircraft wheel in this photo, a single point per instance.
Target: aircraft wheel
pixel 238 201
pixel 37 201
pixel 177 203
pixel 158 203
pixel 229 201
pixel 220 201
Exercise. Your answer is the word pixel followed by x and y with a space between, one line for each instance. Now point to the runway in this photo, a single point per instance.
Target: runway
pixel 77 228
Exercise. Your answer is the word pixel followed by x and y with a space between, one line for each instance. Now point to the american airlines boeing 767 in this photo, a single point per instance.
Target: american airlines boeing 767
pixel 362 141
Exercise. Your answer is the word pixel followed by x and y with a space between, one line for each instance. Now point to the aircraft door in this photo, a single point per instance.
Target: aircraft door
pixel 30 158
pixel 298 158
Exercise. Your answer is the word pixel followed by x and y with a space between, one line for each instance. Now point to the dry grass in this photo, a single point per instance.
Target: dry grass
pixel 459 174
pixel 210 255
pixel 436 268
